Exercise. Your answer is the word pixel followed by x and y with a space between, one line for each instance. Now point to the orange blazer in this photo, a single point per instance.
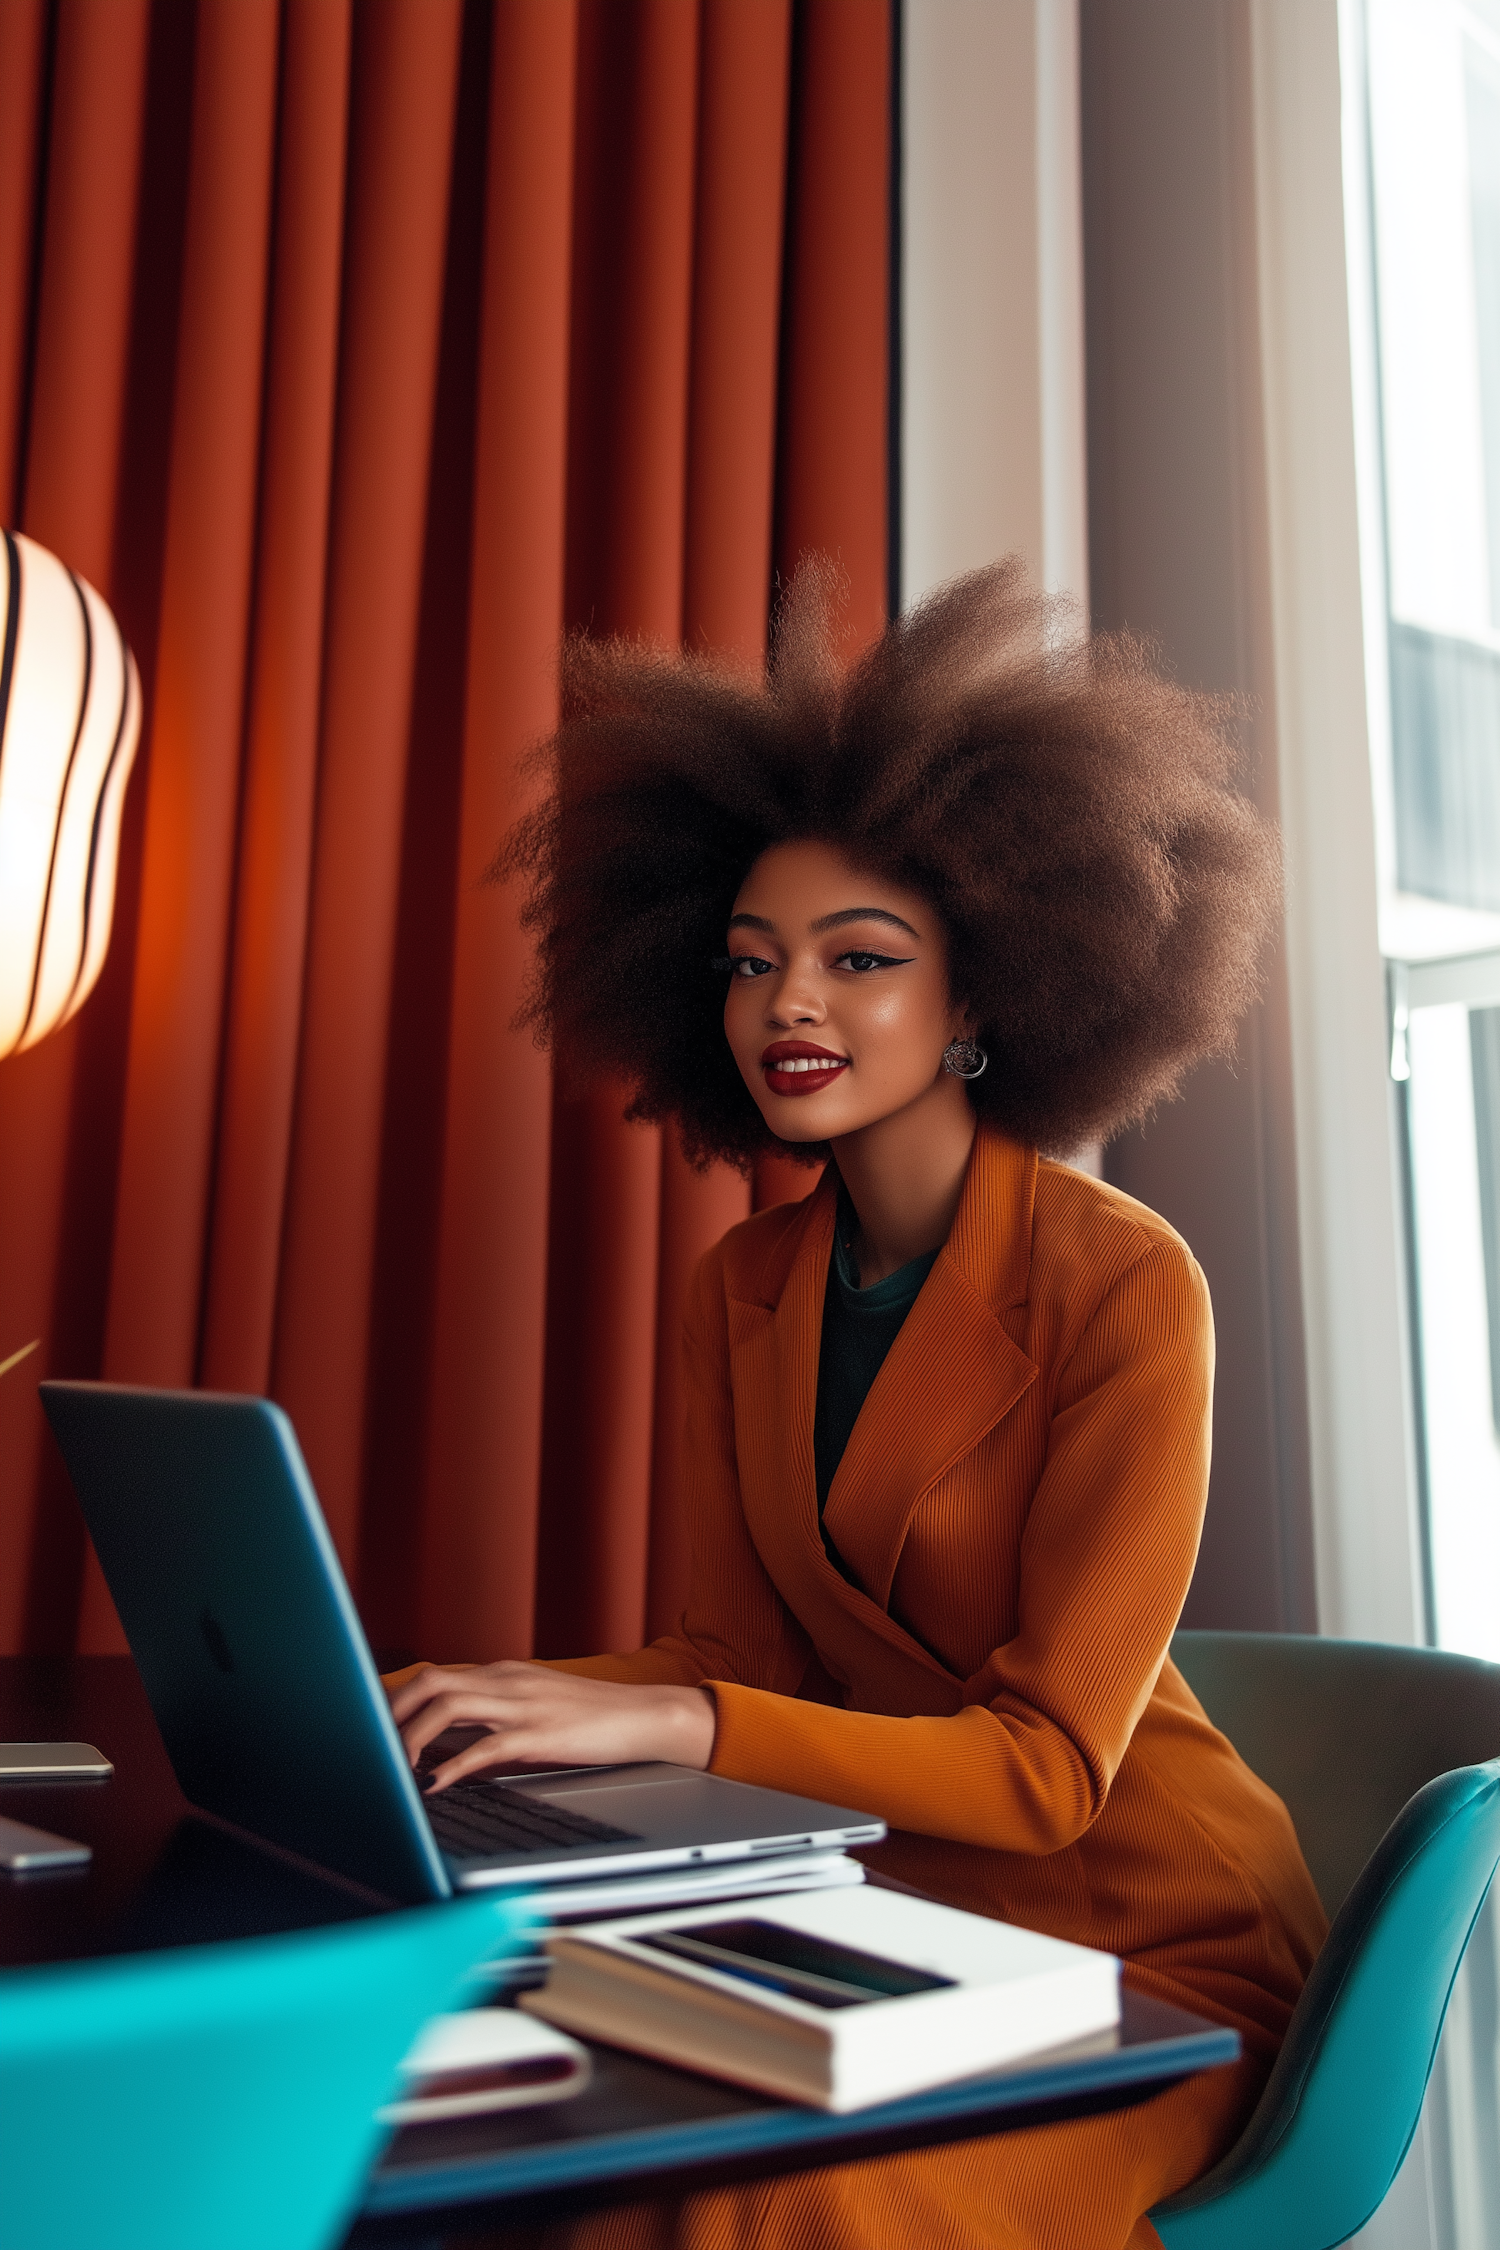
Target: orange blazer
pixel 1020 1502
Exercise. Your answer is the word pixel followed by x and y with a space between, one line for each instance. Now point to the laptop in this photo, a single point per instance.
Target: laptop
pixel 214 1547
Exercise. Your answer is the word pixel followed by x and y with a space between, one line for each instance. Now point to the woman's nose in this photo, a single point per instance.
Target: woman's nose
pixel 797 999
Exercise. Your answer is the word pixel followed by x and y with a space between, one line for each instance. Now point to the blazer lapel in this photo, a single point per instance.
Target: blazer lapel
pixel 774 1337
pixel 951 1374
pixel 773 1354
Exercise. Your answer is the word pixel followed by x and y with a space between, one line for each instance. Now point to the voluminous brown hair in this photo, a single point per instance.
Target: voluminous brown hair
pixel 1071 814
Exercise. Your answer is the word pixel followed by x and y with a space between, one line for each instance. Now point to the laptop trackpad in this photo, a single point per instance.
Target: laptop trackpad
pixel 670 1804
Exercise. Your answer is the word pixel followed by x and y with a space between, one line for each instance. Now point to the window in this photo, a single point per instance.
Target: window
pixel 1434 140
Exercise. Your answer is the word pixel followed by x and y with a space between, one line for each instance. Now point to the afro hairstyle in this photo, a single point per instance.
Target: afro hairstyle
pixel 1070 812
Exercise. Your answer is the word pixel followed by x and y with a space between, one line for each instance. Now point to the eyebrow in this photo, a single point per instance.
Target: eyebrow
pixel 828 921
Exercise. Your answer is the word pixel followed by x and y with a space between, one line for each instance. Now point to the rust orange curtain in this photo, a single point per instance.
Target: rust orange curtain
pixel 354 352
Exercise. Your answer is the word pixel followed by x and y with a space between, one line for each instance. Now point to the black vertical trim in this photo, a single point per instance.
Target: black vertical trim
pixel 12 626
pixel 893 525
pixel 62 806
pixel 17 467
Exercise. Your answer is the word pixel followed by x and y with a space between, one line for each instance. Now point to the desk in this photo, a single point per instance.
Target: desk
pixel 163 1876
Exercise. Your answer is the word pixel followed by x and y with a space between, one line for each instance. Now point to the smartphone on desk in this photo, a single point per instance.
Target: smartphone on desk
pixel 53 1761
pixel 33 1851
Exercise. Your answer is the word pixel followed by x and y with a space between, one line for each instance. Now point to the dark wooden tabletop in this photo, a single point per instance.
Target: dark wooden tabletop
pixel 164 1875
pixel 161 1874
pixel 642 2128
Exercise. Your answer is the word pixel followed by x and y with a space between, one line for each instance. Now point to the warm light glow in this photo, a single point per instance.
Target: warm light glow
pixel 70 719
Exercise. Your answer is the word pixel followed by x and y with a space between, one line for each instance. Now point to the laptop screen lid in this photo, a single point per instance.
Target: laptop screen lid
pixel 230 1592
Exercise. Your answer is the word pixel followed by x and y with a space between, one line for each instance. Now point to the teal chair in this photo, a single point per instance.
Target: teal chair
pixel 219 2094
pixel 1388 1760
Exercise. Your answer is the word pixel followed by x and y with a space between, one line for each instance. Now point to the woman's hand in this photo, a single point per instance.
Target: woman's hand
pixel 541 1717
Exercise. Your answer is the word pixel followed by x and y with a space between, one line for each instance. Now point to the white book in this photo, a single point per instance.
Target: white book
pixel 614 1896
pixel 482 2059
pixel 838 1999
pixel 608 1898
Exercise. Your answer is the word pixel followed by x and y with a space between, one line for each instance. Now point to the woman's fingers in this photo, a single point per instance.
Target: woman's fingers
pixel 490 1750
pixel 458 1707
pixel 536 1716
pixel 430 1680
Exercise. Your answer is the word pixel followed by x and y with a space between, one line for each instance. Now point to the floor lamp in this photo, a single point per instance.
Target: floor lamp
pixel 70 721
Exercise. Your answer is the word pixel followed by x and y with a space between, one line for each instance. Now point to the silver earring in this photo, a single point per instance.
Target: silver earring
pixel 965 1058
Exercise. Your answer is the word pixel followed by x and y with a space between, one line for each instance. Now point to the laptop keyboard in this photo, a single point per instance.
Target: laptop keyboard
pixel 475 1820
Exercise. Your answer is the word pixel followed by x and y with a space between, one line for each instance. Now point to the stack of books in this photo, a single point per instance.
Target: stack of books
pixel 838 1999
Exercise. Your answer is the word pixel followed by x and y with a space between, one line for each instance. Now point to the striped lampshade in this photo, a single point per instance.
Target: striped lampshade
pixel 70 719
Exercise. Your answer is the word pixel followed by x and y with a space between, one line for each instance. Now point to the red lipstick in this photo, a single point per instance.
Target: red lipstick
pixel 811 1068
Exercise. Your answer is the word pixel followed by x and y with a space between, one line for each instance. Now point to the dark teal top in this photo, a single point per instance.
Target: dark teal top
pixel 859 1328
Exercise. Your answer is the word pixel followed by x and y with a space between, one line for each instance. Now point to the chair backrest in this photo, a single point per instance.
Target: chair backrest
pixel 223 2093
pixel 1345 1732
pixel 1338 2113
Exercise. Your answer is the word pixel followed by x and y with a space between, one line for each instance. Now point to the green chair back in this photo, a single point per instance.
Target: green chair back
pixel 220 2094
pixel 1345 1732
pixel 1386 1760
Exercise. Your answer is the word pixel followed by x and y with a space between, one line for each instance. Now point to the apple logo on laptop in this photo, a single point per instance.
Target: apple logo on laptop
pixel 216 1641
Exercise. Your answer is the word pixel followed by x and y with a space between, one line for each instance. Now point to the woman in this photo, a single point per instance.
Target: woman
pixel 948 1437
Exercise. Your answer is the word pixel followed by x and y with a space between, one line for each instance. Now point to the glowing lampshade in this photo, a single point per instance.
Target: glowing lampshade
pixel 70 719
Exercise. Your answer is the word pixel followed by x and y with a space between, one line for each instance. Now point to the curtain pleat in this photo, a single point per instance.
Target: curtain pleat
pixel 405 82
pixel 264 1004
pixel 627 470
pixel 410 1195
pixel 355 352
pixel 192 788
pixel 478 1567
pixel 193 782
pixel 832 491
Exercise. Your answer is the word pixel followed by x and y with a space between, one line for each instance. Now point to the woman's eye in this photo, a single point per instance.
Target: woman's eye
pixel 749 965
pixel 861 963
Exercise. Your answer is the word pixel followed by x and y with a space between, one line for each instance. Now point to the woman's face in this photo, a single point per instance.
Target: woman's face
pixel 838 1009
